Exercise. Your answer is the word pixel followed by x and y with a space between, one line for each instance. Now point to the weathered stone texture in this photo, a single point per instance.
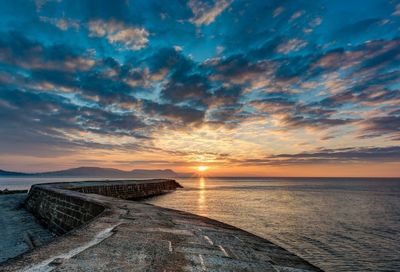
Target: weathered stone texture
pixel 60 212
pixel 130 191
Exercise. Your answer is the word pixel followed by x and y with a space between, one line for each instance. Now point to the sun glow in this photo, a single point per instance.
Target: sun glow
pixel 202 168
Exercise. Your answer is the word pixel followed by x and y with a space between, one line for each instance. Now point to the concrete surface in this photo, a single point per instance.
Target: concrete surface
pixel 16 226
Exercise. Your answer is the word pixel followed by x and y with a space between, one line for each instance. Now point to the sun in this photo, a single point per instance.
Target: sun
pixel 202 168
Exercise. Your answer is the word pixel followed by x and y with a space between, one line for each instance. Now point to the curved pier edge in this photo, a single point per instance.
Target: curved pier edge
pixel 103 231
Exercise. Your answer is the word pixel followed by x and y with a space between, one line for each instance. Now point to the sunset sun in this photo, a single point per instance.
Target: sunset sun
pixel 202 168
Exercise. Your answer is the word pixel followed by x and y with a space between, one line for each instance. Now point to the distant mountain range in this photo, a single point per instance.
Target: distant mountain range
pixel 98 172
pixel 10 174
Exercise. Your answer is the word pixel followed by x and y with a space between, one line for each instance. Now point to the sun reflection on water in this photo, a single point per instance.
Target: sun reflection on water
pixel 201 200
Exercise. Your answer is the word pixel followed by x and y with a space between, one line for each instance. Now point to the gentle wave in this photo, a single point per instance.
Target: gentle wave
pixel 336 224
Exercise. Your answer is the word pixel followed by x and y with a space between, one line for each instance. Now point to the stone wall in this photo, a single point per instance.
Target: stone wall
pixel 63 206
pixel 59 211
pixel 130 191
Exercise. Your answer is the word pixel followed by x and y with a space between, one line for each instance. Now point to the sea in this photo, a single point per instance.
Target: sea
pixel 337 224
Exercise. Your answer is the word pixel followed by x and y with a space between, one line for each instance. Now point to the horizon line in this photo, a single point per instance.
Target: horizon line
pixel 193 174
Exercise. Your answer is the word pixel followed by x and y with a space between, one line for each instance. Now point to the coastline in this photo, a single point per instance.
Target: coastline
pixel 11 192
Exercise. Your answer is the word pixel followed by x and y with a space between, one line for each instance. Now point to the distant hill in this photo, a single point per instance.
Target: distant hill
pixel 85 172
pixel 98 172
pixel 10 174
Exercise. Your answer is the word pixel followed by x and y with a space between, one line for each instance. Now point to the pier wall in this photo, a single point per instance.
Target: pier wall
pixel 130 191
pixel 61 210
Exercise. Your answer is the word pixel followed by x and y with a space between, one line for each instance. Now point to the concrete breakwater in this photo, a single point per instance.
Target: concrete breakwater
pixel 104 231
pixel 61 210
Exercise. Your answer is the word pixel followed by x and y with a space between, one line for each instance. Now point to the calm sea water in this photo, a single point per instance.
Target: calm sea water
pixel 336 224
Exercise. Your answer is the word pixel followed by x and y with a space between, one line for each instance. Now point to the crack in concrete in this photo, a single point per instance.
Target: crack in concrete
pixel 46 265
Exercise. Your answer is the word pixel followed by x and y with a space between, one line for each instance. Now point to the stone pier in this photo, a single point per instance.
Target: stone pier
pixel 101 229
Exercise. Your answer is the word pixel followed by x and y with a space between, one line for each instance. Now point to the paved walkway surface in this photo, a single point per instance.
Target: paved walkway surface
pixel 132 236
pixel 17 225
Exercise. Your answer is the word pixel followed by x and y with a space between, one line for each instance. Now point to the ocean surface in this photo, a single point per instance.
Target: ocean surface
pixel 337 224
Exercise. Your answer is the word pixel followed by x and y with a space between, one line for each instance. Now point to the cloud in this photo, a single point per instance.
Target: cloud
pixel 159 163
pixel 238 69
pixel 192 89
pixel 229 115
pixel 62 23
pixel 134 38
pixel 293 45
pixel 219 49
pixel 292 68
pixel 358 29
pixel 299 121
pixel 336 156
pixel 397 10
pixel 19 51
pixel 136 71
pixel 185 82
pixel 41 3
pixel 277 11
pixel 186 115
pixel 316 22
pixel 178 48
pixel 296 15
pixel 388 126
pixel 169 59
pixel 387 154
pixel 59 112
pixel 275 103
pixel 381 53
pixel 205 14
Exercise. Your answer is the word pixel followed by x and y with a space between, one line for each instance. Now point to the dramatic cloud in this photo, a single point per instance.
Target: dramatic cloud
pixel 199 79
pixel 134 38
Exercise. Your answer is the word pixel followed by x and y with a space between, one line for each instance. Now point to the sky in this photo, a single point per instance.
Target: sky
pixel 245 88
